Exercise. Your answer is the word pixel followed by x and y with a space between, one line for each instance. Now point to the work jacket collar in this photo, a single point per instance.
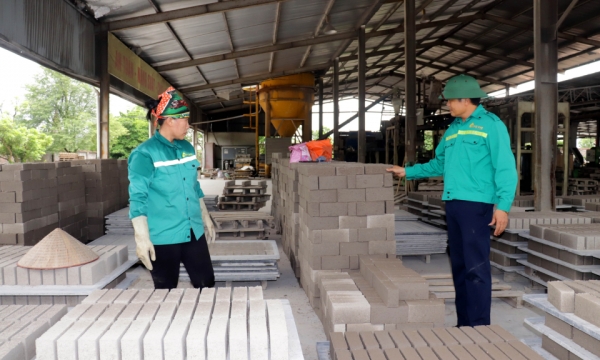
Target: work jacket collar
pixel 163 140
pixel 476 115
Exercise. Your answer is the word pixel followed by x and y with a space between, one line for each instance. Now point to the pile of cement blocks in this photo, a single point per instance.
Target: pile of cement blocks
pixel 522 220
pixel 383 295
pixel 574 317
pixel 71 200
pixel 111 257
pixel 557 252
pixel 21 325
pixel 103 180
pixel 28 202
pixel 418 201
pixel 466 343
pixel 36 198
pixel 580 200
pixel 181 324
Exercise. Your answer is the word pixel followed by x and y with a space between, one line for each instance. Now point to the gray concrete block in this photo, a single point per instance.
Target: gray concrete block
pixel 12 350
pixel 46 344
pixel 23 276
pixel 174 341
pixel 216 340
pixel 35 313
pixel 48 277
pixel 240 294
pixel 111 261
pixel 93 272
pixel 88 344
pixel 77 312
pixel 158 296
pixel 54 314
pixel 203 311
pixel 190 295
pixel 142 296
pixel 132 347
pixel 110 296
pixel 255 293
pixel 185 310
pixel 28 335
pixel 148 311
pixel 207 295
pixel 561 296
pixel 94 312
pixel 238 339
pixel 223 294
pixel 110 342
pixel 166 311
pixel 66 345
pixel 125 297
pixel 112 312
pixel 131 311
pixel 94 296
pixel 153 340
pixel 278 334
pixel 196 338
pixel 9 273
pixel 174 296
pixel 21 312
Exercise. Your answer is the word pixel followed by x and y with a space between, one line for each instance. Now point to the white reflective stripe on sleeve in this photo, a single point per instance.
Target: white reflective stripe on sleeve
pixel 174 162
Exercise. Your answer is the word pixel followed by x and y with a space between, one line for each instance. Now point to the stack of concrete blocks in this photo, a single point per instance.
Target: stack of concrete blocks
pixel 345 211
pixel 28 202
pixel 217 324
pixel 417 200
pixel 522 220
pixel 21 325
pixel 72 216
pixel 580 200
pixel 466 343
pixel 123 183
pixel 111 257
pixel 383 295
pixel 574 317
pixel 564 251
pixel 286 206
pixel 102 192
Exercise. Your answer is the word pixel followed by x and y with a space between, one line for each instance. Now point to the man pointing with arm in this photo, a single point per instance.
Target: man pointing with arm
pixel 478 166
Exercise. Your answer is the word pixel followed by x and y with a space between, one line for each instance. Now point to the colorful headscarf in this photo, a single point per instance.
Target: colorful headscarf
pixel 171 105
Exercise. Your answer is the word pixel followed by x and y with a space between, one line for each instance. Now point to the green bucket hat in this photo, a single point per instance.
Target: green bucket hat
pixel 462 87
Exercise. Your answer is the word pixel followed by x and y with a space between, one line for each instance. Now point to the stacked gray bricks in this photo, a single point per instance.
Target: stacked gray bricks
pixel 383 295
pixel 21 325
pixel 574 316
pixel 111 257
pixel 346 210
pixel 123 183
pixel 563 251
pixel 480 342
pixel 217 324
pixel 102 192
pixel 285 206
pixel 580 200
pixel 417 200
pixel 28 202
pixel 72 216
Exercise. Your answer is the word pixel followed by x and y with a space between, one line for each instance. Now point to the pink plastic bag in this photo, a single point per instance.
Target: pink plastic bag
pixel 299 153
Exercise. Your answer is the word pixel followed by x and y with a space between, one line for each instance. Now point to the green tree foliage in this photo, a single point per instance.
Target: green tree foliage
pixel 315 133
pixel 63 108
pixel 20 144
pixel 126 132
pixel 586 143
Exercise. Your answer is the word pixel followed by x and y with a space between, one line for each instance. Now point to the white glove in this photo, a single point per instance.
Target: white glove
pixel 209 227
pixel 144 248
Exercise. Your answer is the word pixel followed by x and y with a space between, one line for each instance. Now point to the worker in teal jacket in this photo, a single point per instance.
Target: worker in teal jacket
pixel 166 202
pixel 478 166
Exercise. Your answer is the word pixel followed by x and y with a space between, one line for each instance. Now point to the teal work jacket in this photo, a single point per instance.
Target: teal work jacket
pixel 163 186
pixel 476 160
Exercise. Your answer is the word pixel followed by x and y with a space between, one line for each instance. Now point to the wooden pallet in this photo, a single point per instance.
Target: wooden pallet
pixel 241 206
pixel 442 286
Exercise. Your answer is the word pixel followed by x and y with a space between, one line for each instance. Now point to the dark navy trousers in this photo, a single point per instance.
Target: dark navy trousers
pixel 469 247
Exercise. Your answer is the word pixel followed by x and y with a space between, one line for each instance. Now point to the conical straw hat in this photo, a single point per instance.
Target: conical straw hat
pixel 57 250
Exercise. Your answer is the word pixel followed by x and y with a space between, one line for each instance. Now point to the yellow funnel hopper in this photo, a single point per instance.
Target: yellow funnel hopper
pixel 290 99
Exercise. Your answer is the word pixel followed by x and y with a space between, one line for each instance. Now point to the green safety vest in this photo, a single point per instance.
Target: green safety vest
pixel 476 161
pixel 163 185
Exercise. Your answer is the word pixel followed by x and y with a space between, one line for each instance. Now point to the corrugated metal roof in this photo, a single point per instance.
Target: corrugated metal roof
pixel 253 28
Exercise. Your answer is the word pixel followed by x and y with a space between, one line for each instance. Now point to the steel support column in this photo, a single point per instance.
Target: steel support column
pixel 410 81
pixel 103 101
pixel 336 108
pixel 545 15
pixel 320 107
pixel 307 125
pixel 362 88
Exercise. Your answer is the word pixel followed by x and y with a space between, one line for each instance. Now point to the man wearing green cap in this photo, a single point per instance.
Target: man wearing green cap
pixel 478 166
pixel 166 202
